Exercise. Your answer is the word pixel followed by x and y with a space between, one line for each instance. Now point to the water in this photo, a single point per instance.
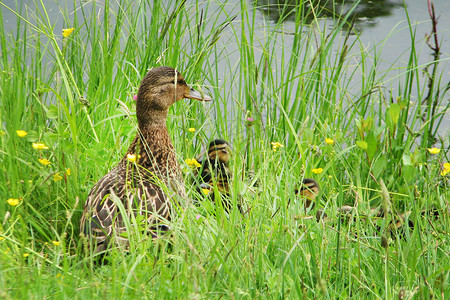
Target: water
pixel 376 21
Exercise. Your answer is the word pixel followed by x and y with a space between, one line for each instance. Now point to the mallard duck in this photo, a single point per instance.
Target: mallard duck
pixel 148 176
pixel 308 190
pixel 215 171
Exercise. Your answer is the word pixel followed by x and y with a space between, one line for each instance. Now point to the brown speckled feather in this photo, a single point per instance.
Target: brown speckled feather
pixel 215 171
pixel 148 186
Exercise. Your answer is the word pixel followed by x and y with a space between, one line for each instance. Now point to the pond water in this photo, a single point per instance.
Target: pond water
pixel 376 21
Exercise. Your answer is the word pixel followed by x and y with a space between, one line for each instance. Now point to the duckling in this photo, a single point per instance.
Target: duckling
pixel 148 177
pixel 215 170
pixel 308 190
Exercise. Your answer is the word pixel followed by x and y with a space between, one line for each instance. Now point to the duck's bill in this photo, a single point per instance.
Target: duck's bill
pixel 193 94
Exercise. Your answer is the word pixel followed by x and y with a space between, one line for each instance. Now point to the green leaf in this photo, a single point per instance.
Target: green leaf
pixel 394 113
pixel 402 104
pixel 32 136
pixel 362 144
pixel 372 145
pixel 52 112
pixel 409 173
pixel 379 166
pixel 406 159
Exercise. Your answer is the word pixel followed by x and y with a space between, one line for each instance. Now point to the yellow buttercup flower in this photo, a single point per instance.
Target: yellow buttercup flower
pixel 68 172
pixel 21 133
pixel 192 162
pixel 191 129
pixel 132 157
pixel 317 171
pixel 40 146
pixel 57 177
pixel 276 145
pixel 56 243
pixel 67 32
pixel 446 169
pixel 13 201
pixel 205 191
pixel 44 161
pixel 434 150
pixel 329 141
pixel 26 255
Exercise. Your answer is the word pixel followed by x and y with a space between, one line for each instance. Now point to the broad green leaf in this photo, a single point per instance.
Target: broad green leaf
pixel 372 145
pixel 362 144
pixel 379 166
pixel 52 112
pixel 406 159
pixel 394 113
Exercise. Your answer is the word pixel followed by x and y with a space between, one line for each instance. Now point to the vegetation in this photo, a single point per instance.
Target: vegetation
pixel 367 145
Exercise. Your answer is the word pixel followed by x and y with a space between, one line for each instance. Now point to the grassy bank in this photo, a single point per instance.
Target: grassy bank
pixel 366 144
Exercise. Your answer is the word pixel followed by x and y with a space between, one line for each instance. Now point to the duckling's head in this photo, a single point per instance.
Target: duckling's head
pixel 309 189
pixel 219 149
pixel 160 88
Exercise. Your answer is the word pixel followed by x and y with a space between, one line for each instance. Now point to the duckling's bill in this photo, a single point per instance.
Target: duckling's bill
pixel 193 94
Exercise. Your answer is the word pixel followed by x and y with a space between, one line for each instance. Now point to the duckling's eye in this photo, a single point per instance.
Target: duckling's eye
pixel 180 82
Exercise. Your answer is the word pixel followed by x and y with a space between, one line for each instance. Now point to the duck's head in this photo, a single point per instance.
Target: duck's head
pixel 160 88
pixel 219 149
pixel 309 189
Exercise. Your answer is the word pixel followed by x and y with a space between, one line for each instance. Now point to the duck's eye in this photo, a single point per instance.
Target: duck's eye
pixel 180 82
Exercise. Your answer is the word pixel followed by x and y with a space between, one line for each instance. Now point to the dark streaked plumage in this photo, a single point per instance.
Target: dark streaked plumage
pixel 308 190
pixel 145 187
pixel 215 170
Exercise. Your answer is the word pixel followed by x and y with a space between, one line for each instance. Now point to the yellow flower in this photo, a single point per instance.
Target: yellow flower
pixel 317 171
pixel 44 161
pixel 68 172
pixel 434 150
pixel 57 177
pixel 13 201
pixel 276 145
pixel 192 162
pixel 1 238
pixel 132 157
pixel 446 169
pixel 56 243
pixel 329 141
pixel 191 129
pixel 40 146
pixel 205 191
pixel 26 255
pixel 67 32
pixel 21 133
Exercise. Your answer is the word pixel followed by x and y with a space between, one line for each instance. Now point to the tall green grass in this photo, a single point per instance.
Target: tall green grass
pixel 75 95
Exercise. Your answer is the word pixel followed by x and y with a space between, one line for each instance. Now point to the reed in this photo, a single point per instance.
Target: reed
pixel 361 141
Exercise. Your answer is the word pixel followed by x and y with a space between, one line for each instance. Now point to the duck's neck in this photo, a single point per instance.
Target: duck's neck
pixel 153 144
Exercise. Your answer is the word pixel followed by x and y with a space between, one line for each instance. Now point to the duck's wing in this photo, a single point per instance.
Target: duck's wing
pixel 100 210
pixel 102 217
